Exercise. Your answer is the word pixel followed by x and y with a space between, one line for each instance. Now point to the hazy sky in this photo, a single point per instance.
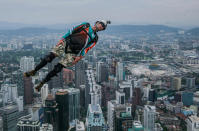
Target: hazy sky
pixel 168 12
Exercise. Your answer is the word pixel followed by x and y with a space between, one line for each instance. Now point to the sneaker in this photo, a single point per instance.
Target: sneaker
pixel 38 87
pixel 30 73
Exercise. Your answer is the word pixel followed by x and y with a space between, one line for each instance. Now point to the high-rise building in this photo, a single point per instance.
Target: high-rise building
pixel 80 74
pixel 1 123
pixel 136 96
pixel 27 124
pixel 51 112
pixel 95 93
pixel 127 88
pixel 108 93
pixel 110 114
pixel 11 90
pixel 95 120
pixel 152 95
pixel 187 98
pixel 74 104
pixel 44 93
pixel 120 97
pixel 123 119
pixel 27 63
pixel 92 90
pixel 192 123
pixel 102 72
pixel 68 76
pixel 37 112
pixel 10 117
pixel 98 71
pixel 149 117
pixel 28 90
pixel 190 82
pixel 82 95
pixel 63 107
pixel 20 103
pixel 120 71
pixel 176 83
pixel 178 97
pixel 56 81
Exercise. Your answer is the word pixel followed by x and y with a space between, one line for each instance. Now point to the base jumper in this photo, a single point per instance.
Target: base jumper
pixel 70 49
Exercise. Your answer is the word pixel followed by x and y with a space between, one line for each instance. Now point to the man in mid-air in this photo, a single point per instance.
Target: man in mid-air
pixel 70 49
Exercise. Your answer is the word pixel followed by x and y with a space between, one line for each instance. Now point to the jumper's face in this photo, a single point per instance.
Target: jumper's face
pixel 99 26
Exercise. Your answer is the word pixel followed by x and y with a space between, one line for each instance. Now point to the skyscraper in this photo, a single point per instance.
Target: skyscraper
pixel 98 71
pixel 57 81
pixel 136 96
pixel 28 90
pixel 95 120
pixel 123 119
pixel 11 89
pixel 187 98
pixel 20 103
pixel 63 106
pixel 120 97
pixel 74 104
pixel 82 95
pixel 152 95
pixel 27 63
pixel 102 72
pixel 149 117
pixel 93 90
pixel 80 74
pixel 10 117
pixel 120 71
pixel 44 93
pixel 190 82
pixel 110 115
pixel 95 93
pixel 68 76
pixel 51 112
pixel 176 83
pixel 1 123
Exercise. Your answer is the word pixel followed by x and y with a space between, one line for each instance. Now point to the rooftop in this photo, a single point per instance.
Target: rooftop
pixel 194 118
pixel 125 114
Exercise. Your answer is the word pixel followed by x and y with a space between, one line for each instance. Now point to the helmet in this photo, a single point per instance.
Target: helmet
pixel 103 23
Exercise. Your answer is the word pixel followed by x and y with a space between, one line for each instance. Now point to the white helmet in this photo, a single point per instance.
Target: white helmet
pixel 104 23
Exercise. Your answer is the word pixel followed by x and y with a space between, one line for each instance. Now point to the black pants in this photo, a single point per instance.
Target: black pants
pixel 47 59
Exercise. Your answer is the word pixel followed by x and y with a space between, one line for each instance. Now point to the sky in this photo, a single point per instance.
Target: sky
pixel 47 12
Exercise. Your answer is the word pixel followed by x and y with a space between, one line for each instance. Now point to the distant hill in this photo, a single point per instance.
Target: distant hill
pixel 29 31
pixel 153 29
pixel 194 31
pixel 24 29
pixel 13 26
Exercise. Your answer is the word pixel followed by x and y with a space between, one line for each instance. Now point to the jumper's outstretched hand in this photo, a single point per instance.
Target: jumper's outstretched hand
pixel 77 58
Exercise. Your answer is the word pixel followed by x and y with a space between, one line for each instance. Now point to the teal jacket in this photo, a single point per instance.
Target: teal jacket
pixel 89 42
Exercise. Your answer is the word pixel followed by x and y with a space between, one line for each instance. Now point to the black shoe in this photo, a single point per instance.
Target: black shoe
pixel 38 87
pixel 30 73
